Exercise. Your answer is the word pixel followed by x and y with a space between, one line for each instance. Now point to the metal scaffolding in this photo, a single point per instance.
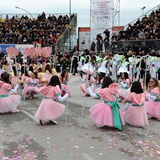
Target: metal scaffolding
pixel 116 13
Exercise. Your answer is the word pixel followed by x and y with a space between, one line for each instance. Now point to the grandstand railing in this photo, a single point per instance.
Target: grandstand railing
pixel 142 16
pixel 147 44
pixel 34 15
pixel 65 41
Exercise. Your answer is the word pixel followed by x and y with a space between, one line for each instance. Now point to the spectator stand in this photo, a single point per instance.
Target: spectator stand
pixel 43 30
pixel 143 33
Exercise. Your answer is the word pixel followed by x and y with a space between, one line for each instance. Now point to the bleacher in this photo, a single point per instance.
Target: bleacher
pixel 42 30
pixel 144 32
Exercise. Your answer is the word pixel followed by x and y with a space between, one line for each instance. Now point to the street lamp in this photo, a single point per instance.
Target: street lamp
pixel 69 28
pixel 143 10
pixel 70 7
pixel 25 11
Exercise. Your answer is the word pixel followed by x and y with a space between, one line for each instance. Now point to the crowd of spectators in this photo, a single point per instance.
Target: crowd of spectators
pixel 143 35
pixel 42 30
pixel 146 28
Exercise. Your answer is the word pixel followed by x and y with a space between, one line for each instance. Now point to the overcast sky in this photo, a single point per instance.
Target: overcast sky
pixel 129 9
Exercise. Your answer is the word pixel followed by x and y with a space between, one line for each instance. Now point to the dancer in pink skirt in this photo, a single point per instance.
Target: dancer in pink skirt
pixel 109 112
pixel 15 78
pixel 124 86
pixel 135 111
pixel 9 100
pixel 49 109
pixel 31 84
pixel 64 80
pixel 153 105
pixel 91 81
pixel 48 72
pixel 98 83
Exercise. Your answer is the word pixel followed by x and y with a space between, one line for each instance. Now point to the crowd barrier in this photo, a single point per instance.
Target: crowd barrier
pixel 146 45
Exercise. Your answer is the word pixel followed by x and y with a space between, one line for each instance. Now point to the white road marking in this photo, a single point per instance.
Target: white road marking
pixel 30 116
pixel 87 157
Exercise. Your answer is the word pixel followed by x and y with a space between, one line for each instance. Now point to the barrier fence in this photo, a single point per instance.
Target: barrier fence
pixel 145 45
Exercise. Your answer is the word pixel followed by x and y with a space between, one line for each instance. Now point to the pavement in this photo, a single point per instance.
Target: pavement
pixel 23 138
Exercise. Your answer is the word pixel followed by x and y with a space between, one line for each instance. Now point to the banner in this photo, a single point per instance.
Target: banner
pixel 118 28
pixel 101 17
pixel 84 38
pixel 102 4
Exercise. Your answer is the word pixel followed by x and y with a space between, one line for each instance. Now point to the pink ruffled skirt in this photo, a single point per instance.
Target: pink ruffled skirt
pixel 153 108
pixel 49 109
pixel 65 89
pixel 102 114
pixel 28 89
pixel 9 103
pixel 136 116
pixel 83 89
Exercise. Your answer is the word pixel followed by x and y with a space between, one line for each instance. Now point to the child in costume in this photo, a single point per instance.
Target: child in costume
pixel 89 69
pixel 15 78
pixel 98 83
pixel 9 100
pixel 135 111
pixel 91 81
pixel 31 84
pixel 48 72
pixel 109 112
pixel 49 109
pixel 64 80
pixel 153 105
pixel 104 68
pixel 41 76
pixel 124 86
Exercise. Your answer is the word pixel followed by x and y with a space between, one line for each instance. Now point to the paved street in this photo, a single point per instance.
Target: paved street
pixel 23 138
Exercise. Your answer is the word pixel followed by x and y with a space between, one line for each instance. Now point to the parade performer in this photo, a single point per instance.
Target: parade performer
pixel 5 65
pixel 98 83
pixel 23 75
pixel 48 72
pixel 15 78
pixel 91 81
pixel 9 100
pixel 31 85
pixel 49 109
pixel 30 70
pixel 153 70
pixel 64 80
pixel 116 62
pixel 124 86
pixel 104 68
pixel 54 72
pixel 151 62
pixel 109 112
pixel 134 68
pixel 89 70
pixel 41 76
pixel 135 111
pixel 81 62
pixel 153 105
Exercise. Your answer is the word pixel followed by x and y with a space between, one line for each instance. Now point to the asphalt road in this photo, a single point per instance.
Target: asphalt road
pixel 23 138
